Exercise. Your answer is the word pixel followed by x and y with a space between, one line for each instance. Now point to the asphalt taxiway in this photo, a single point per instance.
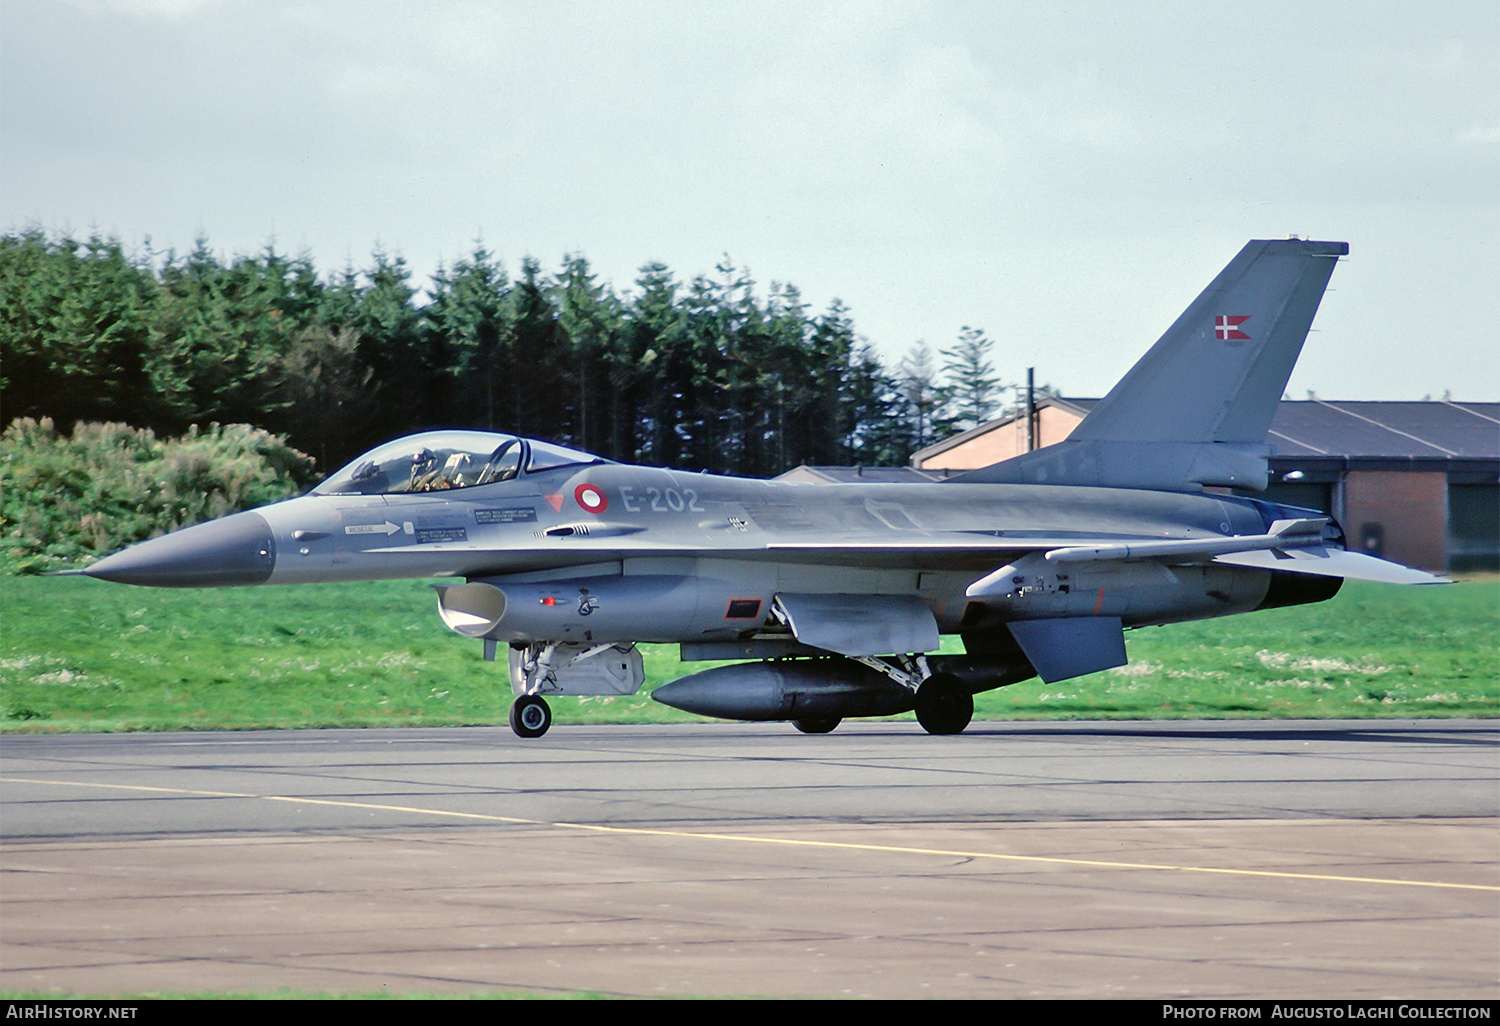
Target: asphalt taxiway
pixel 1147 860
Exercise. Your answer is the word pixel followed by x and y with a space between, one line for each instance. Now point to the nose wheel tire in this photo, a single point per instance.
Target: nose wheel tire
pixel 817 724
pixel 530 716
pixel 944 704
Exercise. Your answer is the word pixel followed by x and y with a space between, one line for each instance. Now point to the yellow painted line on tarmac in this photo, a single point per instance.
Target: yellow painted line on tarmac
pixel 486 817
pixel 751 839
pixel 191 793
pixel 1096 863
pixel 128 787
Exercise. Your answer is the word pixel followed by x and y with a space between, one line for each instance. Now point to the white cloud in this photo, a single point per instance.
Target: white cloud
pixel 1486 135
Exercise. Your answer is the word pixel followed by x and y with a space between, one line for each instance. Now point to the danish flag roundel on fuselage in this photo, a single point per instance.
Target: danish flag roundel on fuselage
pixel 591 498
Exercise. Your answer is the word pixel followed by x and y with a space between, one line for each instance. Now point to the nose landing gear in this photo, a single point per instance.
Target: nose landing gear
pixel 530 716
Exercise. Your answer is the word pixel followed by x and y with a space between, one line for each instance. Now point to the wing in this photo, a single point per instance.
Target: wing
pixel 1296 546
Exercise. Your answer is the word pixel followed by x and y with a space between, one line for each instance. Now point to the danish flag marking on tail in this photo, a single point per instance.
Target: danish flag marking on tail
pixel 1227 327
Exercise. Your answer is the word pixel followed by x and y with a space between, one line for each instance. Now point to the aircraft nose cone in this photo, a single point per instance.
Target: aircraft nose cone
pixel 238 549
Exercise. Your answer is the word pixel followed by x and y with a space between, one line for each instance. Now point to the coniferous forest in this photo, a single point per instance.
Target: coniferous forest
pixel 716 373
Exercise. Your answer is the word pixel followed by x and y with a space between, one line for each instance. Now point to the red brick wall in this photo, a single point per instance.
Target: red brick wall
pixel 1410 508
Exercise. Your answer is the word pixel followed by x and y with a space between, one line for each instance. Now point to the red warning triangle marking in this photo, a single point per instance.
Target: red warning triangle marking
pixel 555 501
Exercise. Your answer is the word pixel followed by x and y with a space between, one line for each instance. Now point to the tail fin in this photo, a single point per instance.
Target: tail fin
pixel 1195 409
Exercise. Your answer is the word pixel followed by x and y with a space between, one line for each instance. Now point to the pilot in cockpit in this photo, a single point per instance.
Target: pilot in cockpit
pixel 424 471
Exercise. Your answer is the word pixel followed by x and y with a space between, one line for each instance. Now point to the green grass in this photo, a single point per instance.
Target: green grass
pixel 287 994
pixel 1372 651
pixel 84 655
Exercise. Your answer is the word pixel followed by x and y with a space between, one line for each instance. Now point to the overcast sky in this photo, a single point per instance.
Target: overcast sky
pixel 1066 176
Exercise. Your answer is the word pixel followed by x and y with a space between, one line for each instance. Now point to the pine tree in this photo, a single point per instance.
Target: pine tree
pixel 971 379
pixel 470 318
pixel 926 400
pixel 589 322
pixel 656 333
pixel 76 336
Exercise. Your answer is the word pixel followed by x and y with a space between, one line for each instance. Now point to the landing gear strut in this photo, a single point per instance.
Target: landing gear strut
pixel 530 716
pixel 944 704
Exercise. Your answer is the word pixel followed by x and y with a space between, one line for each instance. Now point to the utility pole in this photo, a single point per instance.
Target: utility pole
pixel 1030 409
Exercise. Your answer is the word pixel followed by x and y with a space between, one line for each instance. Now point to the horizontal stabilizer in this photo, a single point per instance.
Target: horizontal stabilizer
pixel 858 625
pixel 1328 562
pixel 1070 646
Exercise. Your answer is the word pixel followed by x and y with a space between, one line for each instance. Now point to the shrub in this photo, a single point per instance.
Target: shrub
pixel 75 499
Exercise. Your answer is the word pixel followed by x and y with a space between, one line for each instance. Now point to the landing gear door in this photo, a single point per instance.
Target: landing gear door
pixel 861 625
pixel 554 668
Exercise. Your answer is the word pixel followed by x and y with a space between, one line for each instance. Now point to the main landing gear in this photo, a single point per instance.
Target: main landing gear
pixel 530 716
pixel 944 704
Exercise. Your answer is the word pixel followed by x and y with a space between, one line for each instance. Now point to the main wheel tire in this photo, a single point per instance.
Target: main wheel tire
pixel 530 716
pixel 817 724
pixel 944 704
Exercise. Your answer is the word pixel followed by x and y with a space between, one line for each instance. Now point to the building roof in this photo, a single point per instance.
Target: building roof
pixel 860 475
pixel 1081 407
pixel 1318 427
pixel 1353 429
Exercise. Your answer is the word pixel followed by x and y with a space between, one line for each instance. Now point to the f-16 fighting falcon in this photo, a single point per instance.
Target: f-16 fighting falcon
pixel 833 597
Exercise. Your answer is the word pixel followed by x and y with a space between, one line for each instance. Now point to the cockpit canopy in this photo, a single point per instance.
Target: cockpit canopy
pixel 440 460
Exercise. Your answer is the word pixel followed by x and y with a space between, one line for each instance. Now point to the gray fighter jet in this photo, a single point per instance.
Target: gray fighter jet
pixel 833 597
